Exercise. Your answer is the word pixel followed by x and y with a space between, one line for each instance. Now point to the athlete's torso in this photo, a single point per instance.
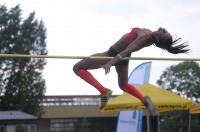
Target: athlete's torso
pixel 128 38
pixel 132 35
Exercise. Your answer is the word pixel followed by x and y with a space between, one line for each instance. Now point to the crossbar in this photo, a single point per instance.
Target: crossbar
pixel 94 57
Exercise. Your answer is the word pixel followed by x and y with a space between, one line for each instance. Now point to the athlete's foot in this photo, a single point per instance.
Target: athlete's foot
pixel 149 105
pixel 105 97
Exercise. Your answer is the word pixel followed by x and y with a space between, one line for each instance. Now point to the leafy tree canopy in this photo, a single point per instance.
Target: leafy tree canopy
pixel 21 84
pixel 182 79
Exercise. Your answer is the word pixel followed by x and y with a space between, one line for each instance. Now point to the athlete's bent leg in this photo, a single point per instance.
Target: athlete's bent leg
pixel 122 71
pixel 81 69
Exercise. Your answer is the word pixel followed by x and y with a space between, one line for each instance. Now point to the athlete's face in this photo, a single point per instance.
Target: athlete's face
pixel 163 34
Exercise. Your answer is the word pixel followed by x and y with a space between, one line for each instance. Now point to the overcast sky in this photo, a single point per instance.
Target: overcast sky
pixel 85 27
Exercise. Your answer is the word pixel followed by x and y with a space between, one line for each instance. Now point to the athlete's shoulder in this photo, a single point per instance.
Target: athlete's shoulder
pixel 136 28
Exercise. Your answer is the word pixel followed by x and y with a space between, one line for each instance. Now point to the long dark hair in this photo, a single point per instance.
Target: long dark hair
pixel 172 46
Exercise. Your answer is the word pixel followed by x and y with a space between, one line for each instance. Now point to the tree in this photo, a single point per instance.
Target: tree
pixel 182 79
pixel 21 84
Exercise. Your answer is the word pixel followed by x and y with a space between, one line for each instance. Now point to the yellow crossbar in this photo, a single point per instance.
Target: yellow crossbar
pixel 94 57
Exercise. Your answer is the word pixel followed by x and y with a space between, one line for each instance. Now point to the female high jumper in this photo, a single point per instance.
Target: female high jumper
pixel 130 42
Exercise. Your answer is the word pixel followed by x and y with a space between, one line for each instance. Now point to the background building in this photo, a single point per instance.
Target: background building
pixel 75 113
pixel 65 114
pixel 17 121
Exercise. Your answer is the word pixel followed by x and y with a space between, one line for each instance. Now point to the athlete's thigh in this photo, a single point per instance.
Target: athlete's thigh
pixel 92 63
pixel 122 71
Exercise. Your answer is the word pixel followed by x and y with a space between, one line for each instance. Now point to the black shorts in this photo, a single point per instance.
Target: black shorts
pixel 113 53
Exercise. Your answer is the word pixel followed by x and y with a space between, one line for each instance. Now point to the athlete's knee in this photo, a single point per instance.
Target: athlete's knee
pixel 123 85
pixel 76 68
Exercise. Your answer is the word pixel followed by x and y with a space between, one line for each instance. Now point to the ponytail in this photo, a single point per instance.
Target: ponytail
pixel 173 46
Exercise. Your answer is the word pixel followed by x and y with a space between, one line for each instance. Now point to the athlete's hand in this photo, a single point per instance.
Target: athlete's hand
pixel 106 67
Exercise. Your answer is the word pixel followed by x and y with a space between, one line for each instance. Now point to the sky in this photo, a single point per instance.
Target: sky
pixel 85 27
